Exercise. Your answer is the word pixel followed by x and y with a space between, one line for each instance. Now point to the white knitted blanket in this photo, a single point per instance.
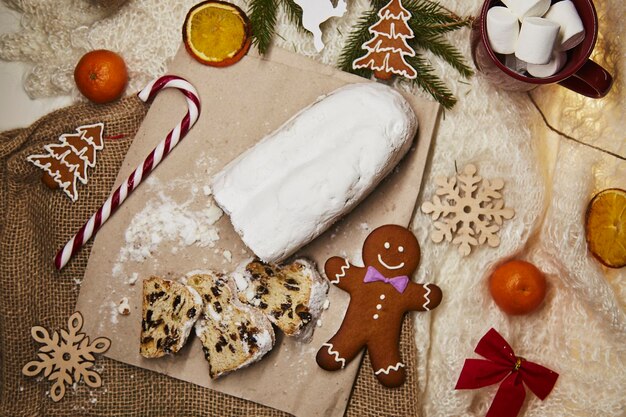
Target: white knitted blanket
pixel 580 331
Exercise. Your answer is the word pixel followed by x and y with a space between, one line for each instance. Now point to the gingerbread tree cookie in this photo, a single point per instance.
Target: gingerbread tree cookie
pixel 387 49
pixel 381 293
pixel 66 162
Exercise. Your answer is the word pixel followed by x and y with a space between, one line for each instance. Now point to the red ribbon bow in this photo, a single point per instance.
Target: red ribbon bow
pixel 503 365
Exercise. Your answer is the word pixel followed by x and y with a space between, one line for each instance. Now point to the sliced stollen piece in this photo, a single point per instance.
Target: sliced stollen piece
pixel 233 334
pixel 298 180
pixel 170 310
pixel 292 296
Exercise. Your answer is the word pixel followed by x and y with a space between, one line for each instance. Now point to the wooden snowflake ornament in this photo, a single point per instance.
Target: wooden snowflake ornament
pixel 472 209
pixel 387 49
pixel 66 359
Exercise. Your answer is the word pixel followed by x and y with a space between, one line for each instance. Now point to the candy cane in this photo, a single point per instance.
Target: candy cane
pixel 149 164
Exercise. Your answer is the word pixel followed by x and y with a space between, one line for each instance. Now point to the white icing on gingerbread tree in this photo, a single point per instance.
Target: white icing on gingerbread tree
pixel 472 209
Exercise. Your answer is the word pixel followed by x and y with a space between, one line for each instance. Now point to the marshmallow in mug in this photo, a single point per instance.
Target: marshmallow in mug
pixel 527 8
pixel 502 30
pixel 536 40
pixel 559 58
pixel 572 31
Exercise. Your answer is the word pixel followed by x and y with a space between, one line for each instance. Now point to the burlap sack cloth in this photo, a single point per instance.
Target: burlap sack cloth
pixel 35 222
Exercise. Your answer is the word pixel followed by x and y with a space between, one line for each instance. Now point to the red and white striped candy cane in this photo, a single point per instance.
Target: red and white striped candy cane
pixel 152 160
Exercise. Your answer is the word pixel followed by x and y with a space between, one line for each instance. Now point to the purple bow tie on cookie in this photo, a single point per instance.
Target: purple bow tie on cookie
pixel 399 283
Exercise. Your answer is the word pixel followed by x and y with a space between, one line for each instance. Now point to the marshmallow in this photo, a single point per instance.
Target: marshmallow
pixel 502 30
pixel 515 64
pixel 527 8
pixel 559 59
pixel 536 40
pixel 572 30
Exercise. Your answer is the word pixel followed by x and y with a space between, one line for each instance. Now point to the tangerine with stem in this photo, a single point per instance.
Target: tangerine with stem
pixel 101 76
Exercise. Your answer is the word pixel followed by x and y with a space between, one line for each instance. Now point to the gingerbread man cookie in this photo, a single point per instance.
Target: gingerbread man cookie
pixel 381 293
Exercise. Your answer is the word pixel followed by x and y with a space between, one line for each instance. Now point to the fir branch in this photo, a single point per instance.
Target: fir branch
pixel 294 13
pixel 429 12
pixel 430 18
pixel 352 48
pixel 430 82
pixel 262 14
pixel 438 46
pixel 439 28
pixel 429 21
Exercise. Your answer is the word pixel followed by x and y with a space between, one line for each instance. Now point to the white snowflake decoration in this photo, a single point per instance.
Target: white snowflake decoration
pixel 67 358
pixel 472 209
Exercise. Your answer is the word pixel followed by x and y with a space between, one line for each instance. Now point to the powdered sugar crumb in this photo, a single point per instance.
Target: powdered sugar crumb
pixel 227 255
pixel 123 308
pixel 113 313
pixel 240 281
pixel 117 270
pixel 162 220
pixel 326 304
pixel 133 278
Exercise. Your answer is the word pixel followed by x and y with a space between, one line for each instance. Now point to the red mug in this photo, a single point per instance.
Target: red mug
pixel 579 74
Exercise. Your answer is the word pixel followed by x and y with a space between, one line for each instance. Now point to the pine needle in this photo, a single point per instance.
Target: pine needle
pixel 262 14
pixel 438 28
pixel 430 82
pixel 438 46
pixel 294 13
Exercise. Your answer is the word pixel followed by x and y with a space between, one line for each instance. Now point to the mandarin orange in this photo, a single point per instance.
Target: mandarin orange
pixel 517 287
pixel 101 76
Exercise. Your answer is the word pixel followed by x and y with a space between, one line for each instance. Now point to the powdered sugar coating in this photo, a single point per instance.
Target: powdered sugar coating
pixel 265 343
pixel 317 298
pixel 165 220
pixel 190 323
pixel 297 181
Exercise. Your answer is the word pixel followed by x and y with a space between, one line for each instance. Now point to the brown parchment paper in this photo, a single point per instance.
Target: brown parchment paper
pixel 240 105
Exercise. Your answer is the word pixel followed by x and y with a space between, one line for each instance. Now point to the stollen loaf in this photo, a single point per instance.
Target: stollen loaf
pixel 298 180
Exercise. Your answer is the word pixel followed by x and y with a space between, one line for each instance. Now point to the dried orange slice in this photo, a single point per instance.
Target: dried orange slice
pixel 606 227
pixel 216 33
